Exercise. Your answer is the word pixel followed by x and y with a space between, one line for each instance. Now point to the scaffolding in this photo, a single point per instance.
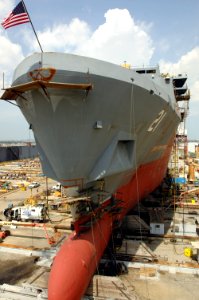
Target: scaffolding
pixel 179 152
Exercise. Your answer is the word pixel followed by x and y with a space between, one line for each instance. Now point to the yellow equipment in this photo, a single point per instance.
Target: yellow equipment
pixel 31 201
pixel 188 252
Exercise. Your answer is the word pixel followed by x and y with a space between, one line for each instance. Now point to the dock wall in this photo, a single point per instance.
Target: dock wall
pixel 9 153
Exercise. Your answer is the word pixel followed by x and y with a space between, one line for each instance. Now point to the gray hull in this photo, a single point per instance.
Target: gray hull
pixel 126 120
pixel 102 127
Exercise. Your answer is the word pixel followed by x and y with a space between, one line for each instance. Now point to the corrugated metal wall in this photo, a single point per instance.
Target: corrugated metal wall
pixel 8 153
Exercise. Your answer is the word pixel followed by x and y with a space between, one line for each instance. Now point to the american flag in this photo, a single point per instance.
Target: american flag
pixel 18 16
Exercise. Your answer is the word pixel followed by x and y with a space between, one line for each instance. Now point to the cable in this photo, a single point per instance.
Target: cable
pixel 102 234
pixel 133 130
pixel 94 244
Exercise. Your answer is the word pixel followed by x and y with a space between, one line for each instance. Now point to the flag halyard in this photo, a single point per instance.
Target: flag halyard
pixel 17 16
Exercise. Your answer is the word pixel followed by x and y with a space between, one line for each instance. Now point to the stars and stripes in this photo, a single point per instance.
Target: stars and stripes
pixel 18 16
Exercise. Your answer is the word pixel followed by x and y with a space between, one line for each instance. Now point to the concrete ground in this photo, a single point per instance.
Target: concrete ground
pixel 167 279
pixel 18 196
pixel 141 283
pixel 159 268
pixel 15 266
pixel 150 285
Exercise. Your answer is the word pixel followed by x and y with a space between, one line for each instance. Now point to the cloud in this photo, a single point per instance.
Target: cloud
pixel 117 40
pixel 11 121
pixel 187 64
pixel 6 6
pixel 63 37
pixel 9 53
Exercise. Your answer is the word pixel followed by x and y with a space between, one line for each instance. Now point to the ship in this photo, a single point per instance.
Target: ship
pixel 104 131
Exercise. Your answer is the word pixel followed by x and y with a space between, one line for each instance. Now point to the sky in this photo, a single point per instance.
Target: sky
pixel 140 32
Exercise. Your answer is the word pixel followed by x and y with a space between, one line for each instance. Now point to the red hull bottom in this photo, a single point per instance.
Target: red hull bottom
pixel 79 256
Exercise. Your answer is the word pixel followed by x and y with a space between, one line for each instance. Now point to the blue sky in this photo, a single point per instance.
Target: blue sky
pixel 148 32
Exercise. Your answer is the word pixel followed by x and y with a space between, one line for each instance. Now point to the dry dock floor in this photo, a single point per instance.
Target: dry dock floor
pixel 157 266
pixel 24 272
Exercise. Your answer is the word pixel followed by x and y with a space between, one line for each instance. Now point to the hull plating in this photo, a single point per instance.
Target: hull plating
pixel 79 256
pixel 125 121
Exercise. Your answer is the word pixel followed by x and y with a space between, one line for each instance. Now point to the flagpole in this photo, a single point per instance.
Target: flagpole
pixel 32 26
